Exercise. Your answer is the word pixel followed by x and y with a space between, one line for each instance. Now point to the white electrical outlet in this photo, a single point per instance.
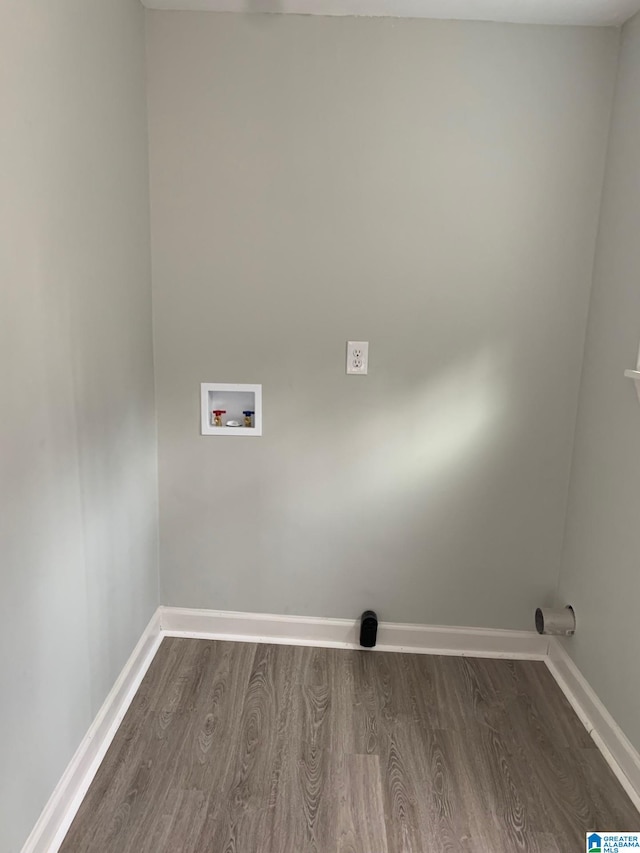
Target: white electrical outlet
pixel 357 357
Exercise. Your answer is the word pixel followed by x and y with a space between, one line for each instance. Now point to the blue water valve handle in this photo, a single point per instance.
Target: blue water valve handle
pixel 248 413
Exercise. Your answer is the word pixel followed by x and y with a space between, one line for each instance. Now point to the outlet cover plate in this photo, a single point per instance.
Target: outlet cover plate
pixel 358 357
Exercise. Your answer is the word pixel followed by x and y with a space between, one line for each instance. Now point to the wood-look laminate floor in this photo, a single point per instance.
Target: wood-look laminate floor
pixel 242 748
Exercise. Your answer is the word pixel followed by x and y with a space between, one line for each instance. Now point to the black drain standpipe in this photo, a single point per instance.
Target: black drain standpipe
pixel 368 629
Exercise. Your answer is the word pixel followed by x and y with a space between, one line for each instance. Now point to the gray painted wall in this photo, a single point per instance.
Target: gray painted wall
pixel 78 524
pixel 601 567
pixel 430 187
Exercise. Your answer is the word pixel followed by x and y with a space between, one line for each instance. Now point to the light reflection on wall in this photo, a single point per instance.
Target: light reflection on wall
pixel 417 438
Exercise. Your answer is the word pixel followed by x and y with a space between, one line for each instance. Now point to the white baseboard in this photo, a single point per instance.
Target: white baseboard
pixel 614 745
pixel 55 820
pixel 343 634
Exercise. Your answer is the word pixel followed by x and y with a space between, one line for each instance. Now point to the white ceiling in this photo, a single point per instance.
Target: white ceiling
pixel 596 13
